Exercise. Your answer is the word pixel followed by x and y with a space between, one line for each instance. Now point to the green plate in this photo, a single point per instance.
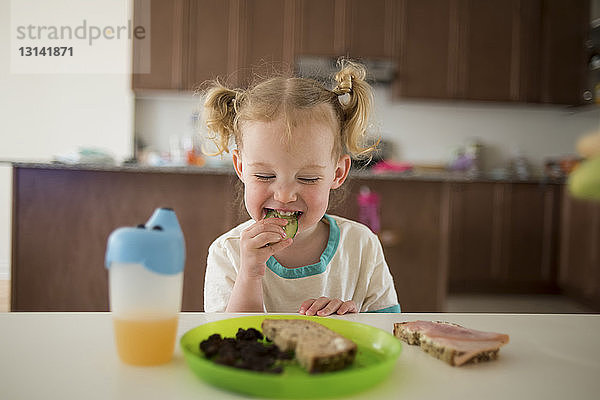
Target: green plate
pixel 375 359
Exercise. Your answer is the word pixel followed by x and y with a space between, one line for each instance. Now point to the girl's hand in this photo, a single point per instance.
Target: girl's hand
pixel 325 306
pixel 260 241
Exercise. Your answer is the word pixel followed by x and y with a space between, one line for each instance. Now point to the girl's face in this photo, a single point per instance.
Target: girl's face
pixel 295 176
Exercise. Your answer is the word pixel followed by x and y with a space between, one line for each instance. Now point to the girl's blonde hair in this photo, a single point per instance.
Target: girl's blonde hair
pixel 295 100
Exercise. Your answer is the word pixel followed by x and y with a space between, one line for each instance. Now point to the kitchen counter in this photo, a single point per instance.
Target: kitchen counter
pixel 416 175
pixel 73 356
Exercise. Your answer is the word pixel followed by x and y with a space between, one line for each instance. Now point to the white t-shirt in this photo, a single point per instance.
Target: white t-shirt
pixel 352 267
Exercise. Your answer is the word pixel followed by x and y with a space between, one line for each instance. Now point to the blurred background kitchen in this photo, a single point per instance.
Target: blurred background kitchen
pixel 479 104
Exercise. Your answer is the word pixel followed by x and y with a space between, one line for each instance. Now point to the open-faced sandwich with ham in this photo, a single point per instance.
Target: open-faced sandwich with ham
pixel 451 343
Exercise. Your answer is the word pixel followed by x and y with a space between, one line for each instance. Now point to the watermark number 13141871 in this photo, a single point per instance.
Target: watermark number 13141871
pixel 48 51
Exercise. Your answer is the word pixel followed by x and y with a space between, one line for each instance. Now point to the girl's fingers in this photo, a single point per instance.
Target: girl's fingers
pixel 330 308
pixel 278 221
pixel 317 305
pixel 262 227
pixel 324 306
pixel 306 305
pixel 347 307
pixel 264 239
pixel 274 247
pixel 281 222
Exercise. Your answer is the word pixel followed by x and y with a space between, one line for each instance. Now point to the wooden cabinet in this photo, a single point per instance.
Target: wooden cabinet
pixel 197 40
pixel 472 50
pixel 504 237
pixel 320 27
pixel 194 41
pixel 370 30
pixel 532 227
pixel 414 235
pixel 580 249
pixel 266 40
pixel 565 27
pixel 160 52
pixel 485 50
pixel 495 50
pixel 353 28
pixel 210 44
pixel 524 51
pixel 512 51
pixel 472 255
pixel 62 219
pixel 425 57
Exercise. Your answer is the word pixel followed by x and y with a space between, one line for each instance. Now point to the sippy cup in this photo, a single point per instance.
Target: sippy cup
pixel 145 274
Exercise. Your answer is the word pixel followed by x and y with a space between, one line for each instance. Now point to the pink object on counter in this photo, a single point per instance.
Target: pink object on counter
pixel 392 166
pixel 368 208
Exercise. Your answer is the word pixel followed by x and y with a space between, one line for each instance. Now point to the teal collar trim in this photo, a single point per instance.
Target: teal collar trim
pixel 392 309
pixel 313 269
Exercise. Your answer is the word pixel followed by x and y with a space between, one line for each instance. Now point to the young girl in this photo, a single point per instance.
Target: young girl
pixel 294 139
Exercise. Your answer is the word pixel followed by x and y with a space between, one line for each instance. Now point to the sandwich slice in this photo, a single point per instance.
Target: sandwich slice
pixel 317 348
pixel 451 343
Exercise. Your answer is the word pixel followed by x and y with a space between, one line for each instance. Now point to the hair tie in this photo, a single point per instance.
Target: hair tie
pixel 345 86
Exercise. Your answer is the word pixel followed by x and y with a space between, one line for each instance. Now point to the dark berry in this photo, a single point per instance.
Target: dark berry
pixel 248 334
pixel 245 351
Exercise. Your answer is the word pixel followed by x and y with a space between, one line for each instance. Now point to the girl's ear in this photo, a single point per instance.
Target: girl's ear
pixel 341 171
pixel 237 163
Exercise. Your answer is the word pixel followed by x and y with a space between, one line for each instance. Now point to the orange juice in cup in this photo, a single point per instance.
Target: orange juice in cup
pixel 145 342
pixel 145 287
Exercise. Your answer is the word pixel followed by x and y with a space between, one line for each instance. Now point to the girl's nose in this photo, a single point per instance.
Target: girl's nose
pixel 285 193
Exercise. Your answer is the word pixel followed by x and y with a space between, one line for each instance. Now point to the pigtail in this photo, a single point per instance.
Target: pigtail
pixel 220 110
pixel 357 108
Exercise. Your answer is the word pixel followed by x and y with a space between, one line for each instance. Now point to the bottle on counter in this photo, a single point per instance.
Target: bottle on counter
pixel 192 150
pixel 176 153
pixel 368 209
pixel 192 144
pixel 519 166
pixel 473 150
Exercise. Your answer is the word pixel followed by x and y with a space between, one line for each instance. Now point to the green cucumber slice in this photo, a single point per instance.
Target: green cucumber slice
pixel 292 222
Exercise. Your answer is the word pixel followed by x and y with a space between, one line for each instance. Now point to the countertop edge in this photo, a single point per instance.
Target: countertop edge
pixel 450 177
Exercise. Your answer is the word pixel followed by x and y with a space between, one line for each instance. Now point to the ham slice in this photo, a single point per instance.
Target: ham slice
pixel 451 343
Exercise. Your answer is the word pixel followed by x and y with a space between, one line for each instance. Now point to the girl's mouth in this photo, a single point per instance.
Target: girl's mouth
pixel 282 213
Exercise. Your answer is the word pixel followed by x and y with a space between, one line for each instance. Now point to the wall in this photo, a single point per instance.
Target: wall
pixel 160 119
pixel 429 132
pixel 44 115
pixel 421 131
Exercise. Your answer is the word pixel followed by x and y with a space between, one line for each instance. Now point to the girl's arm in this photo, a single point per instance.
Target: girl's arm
pixel 257 243
pixel 246 295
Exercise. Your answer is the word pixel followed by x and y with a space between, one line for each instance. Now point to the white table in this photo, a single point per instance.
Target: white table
pixel 72 356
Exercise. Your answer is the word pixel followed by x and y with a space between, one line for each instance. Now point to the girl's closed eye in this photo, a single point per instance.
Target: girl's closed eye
pixel 309 180
pixel 264 177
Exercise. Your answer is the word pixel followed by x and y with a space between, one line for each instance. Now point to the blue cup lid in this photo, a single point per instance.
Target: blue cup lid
pixel 158 245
